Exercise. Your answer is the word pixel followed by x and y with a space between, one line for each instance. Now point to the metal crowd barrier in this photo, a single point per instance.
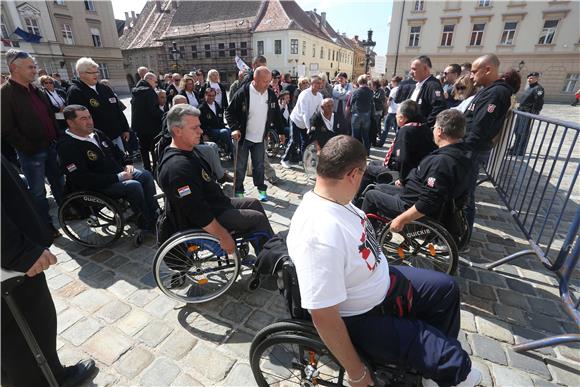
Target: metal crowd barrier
pixel 539 189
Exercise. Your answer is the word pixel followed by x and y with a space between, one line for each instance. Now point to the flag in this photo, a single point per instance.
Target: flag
pixel 28 37
pixel 241 64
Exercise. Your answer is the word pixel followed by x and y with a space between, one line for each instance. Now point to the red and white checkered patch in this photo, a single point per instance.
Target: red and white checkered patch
pixel 431 182
pixel 490 108
pixel 71 167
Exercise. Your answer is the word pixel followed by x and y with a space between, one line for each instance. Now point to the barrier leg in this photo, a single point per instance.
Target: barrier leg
pixel 547 342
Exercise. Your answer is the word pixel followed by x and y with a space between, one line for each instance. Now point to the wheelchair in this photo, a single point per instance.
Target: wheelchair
pixel 310 160
pixel 192 267
pixel 95 220
pixel 272 143
pixel 290 352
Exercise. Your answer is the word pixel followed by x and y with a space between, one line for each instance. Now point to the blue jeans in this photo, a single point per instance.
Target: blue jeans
pixel 119 142
pixel 38 167
pixel 390 122
pixel 361 124
pixel 139 192
pixel 256 151
pixel 479 159
pixel 222 136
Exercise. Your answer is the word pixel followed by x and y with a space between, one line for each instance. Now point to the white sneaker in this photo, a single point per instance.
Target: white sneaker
pixel 473 378
pixel 286 164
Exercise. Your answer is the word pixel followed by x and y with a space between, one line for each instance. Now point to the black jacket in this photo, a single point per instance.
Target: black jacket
pixel 318 130
pixel 431 100
pixel 88 166
pixel 193 198
pixel 412 144
pixel 25 235
pixel 237 111
pixel 103 106
pixel 441 176
pixel 485 115
pixel 224 103
pixel 362 101
pixel 405 90
pixel 209 119
pixel 145 112
pixel 62 95
pixel 532 100
pixel 171 91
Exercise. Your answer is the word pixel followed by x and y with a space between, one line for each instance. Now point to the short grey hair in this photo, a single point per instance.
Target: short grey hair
pixel 84 63
pixel 13 55
pixel 160 91
pixel 148 76
pixel 325 101
pixel 177 113
pixel 452 123
pixel 178 98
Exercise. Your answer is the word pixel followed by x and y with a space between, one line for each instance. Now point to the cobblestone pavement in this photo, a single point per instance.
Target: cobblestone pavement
pixel 109 308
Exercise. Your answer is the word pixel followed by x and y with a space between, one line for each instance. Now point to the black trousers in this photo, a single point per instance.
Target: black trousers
pixel 385 200
pixel 147 149
pixel 247 216
pixel 19 367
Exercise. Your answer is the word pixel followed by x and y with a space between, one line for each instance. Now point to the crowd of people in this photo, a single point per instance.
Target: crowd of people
pixel 184 126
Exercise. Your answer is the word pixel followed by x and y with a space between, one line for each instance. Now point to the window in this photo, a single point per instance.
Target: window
pixel 244 51
pixel 414 36
pixel 447 37
pixel 59 2
pixel 509 31
pixel 232 49
pixel 277 47
pixel 67 34
pixel 477 34
pixel 260 47
pixel 194 52
pixel 89 5
pixel 221 47
pixel 329 55
pixel 419 6
pixel 321 52
pixel 293 46
pixel 207 49
pixel 548 32
pixel 96 35
pixel 5 34
pixel 32 25
pixel 104 70
pixel 572 83
pixel 303 48
pixel 333 54
pixel 314 50
pixel 484 3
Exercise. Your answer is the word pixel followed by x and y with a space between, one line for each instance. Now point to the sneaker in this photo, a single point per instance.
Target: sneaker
pixel 286 164
pixel 473 378
pixel 262 196
pixel 273 180
pixel 239 194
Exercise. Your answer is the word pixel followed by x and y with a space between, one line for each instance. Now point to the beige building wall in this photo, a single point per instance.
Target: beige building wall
pixel 286 62
pixel 558 62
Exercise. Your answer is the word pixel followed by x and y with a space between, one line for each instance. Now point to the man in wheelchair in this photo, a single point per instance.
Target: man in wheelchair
pixel 440 177
pixel 398 315
pixel 323 125
pixel 193 197
pixel 92 162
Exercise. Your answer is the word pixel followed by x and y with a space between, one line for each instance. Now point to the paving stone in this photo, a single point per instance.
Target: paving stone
pixel 91 299
pixel 89 269
pixel 160 306
pixel 82 331
pixel 522 335
pixel 186 380
pixel 547 307
pixel 492 279
pixel 259 320
pixel 133 270
pixel 122 289
pixel 113 311
pixel 464 343
pixel 240 375
pixel 236 312
pixel 521 286
pixel 133 322
pixel 570 351
pixel 101 256
pixel 477 305
pixel 178 344
pixel 545 323
pixel 134 362
pixel 104 379
pixel 102 279
pixel 510 314
pixel 495 329
pixel 208 328
pixel 504 376
pixel 71 290
pixel 539 382
pixel 487 348
pixel 59 281
pixel 202 354
pixel 161 373
pixel 115 261
pixel 564 372
pixel 511 298
pixel 257 298
pixel 468 321
pixel 71 265
pixel 59 304
pixel 239 344
pixel 67 318
pixel 528 363
pixel 108 345
pixel 482 291
pixel 142 297
pixel 482 366
pixel 154 333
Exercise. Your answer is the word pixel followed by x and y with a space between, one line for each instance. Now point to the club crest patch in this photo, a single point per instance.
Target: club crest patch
pixel 431 182
pixel 94 103
pixel 112 100
pixel 183 191
pixel 540 92
pixel 104 143
pixel 71 167
pixel 437 93
pixel 205 176
pixel 92 155
pixel 490 108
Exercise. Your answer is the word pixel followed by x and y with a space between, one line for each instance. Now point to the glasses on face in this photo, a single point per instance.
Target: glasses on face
pixel 91 72
pixel 20 55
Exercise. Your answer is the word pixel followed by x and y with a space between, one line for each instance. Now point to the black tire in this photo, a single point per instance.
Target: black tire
pixel 91 219
pixel 424 244
pixel 191 267
pixel 272 143
pixel 285 326
pixel 292 358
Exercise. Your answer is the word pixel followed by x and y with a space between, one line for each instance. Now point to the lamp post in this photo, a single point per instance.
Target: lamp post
pixel 176 54
pixel 368 45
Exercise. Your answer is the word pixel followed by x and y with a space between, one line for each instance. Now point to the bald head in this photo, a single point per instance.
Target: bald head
pixel 485 70
pixel 488 60
pixel 262 78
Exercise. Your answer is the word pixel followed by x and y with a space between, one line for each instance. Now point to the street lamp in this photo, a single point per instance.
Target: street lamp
pixel 368 45
pixel 176 55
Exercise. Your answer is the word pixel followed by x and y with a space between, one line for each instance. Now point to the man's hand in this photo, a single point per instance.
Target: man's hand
pixel 129 169
pixel 228 244
pixel 42 263
pixel 398 223
pixel 236 135
pixel 282 138
pixel 125 136
pixel 398 183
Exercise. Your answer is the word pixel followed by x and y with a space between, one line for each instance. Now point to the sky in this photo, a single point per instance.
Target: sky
pixel 349 16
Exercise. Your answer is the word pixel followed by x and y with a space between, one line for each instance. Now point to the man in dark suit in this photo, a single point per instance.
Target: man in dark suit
pixel 212 122
pixel 173 88
pixel 428 92
pixel 323 126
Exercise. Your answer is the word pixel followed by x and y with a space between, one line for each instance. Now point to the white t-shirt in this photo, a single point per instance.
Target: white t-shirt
pixel 337 257
pixel 306 105
pixel 393 105
pixel 257 115
pixel 218 92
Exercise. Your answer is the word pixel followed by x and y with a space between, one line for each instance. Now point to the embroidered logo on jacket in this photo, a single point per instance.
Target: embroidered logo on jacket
pixel 183 191
pixel 94 103
pixel 431 182
pixel 92 155
pixel 490 108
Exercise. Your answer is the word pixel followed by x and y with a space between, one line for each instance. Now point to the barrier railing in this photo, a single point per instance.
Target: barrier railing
pixel 534 168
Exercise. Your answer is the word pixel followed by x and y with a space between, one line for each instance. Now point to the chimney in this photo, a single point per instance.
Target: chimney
pixel 323 19
pixel 126 16
pixel 158 5
pixel 314 10
pixel 356 38
pixel 138 16
pixel 133 16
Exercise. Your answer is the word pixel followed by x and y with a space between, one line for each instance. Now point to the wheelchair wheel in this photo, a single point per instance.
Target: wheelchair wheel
pixel 310 160
pixel 91 219
pixel 423 244
pixel 292 359
pixel 272 143
pixel 191 267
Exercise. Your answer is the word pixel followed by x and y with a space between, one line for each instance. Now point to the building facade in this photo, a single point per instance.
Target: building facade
pixel 542 36
pixel 69 30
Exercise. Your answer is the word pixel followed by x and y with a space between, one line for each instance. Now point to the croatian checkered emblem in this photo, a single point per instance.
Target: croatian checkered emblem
pixel 431 182
pixel 437 93
pixel 183 191
pixel 71 167
pixel 490 108
pixel 540 92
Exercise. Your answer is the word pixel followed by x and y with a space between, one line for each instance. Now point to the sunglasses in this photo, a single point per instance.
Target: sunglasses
pixel 20 55
pixel 459 87
pixel 48 82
